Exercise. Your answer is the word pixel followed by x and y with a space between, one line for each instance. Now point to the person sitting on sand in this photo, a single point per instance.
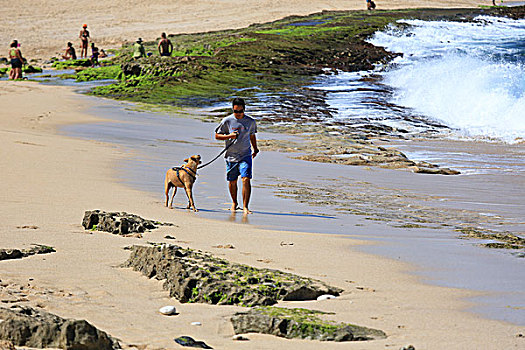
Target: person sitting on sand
pixel 370 5
pixel 17 61
pixel 94 55
pixel 165 46
pixel 238 130
pixel 102 54
pixel 138 49
pixel 70 53
pixel 84 40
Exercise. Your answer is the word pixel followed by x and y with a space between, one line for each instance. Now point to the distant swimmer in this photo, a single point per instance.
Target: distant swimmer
pixel 165 46
pixel 138 49
pixel 84 41
pixel 70 53
pixel 17 61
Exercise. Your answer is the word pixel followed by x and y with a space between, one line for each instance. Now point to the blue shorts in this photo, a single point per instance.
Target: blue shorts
pixel 242 168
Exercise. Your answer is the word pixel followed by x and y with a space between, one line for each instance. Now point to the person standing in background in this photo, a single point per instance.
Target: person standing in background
pixel 84 41
pixel 17 61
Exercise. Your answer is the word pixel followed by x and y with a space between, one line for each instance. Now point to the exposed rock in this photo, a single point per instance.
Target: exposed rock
pixel 506 240
pixel 439 171
pixel 190 342
pixel 120 223
pixel 299 323
pixel 25 326
pixel 6 254
pixel 193 276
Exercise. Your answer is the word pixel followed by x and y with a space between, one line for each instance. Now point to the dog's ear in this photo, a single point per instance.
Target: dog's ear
pixel 186 160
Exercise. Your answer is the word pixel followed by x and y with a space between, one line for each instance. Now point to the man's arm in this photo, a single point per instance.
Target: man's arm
pixel 223 137
pixel 253 141
pixel 158 47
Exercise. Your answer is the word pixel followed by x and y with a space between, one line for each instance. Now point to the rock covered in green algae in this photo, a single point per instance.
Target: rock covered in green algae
pixel 193 276
pixel 299 323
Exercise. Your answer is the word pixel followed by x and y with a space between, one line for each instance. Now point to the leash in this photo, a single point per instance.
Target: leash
pixel 218 155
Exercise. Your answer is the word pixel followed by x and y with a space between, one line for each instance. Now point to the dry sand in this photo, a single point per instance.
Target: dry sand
pixel 44 27
pixel 49 180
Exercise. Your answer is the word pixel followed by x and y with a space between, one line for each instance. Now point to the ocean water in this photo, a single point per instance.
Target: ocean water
pixel 467 76
pixel 462 80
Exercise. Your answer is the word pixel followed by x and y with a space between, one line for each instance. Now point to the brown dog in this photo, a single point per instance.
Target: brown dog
pixel 185 177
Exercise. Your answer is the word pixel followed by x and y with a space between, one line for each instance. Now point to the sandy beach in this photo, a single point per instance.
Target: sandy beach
pixel 49 180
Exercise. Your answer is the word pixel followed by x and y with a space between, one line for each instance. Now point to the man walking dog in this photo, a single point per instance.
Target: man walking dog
pixel 238 131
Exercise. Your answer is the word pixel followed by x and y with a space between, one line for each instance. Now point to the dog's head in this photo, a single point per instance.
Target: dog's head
pixel 193 159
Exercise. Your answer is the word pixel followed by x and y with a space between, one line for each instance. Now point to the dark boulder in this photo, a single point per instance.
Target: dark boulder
pixel 120 223
pixel 25 326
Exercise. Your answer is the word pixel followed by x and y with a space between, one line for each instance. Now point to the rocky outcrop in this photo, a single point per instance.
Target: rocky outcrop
pixel 193 276
pixel 6 254
pixel 25 326
pixel 299 323
pixel 119 223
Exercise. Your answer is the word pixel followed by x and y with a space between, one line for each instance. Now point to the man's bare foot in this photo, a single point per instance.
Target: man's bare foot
pixel 234 207
pixel 247 211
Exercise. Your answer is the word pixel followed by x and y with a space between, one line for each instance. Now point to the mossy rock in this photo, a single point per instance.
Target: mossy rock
pixel 98 73
pixel 299 323
pixel 31 69
pixel 192 276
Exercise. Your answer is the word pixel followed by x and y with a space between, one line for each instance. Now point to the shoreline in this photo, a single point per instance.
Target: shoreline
pixel 290 194
pixel 76 175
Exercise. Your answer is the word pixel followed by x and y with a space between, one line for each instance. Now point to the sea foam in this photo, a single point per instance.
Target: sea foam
pixel 469 76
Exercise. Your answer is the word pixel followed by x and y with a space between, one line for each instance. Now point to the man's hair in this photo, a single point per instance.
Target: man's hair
pixel 238 102
pixel 14 44
pixel 163 35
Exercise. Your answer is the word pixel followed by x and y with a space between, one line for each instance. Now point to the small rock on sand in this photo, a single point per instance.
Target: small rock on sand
pixel 168 310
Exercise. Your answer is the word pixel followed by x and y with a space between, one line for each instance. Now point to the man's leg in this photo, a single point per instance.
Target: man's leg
pixel 246 193
pixel 232 186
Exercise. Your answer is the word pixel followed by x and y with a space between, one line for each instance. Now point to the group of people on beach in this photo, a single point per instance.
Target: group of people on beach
pixel 70 53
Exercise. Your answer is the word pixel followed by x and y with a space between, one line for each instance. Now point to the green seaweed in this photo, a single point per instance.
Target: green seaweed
pixel 86 62
pixel 98 73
